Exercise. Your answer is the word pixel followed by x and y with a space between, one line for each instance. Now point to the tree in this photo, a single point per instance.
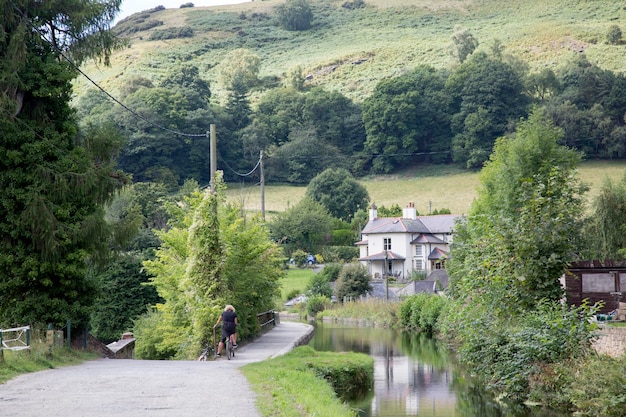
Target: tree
pixel 210 256
pixel 55 178
pixel 607 224
pixel 304 226
pixel 405 116
pixel 488 97
pixel 353 281
pixel 463 44
pixel 295 15
pixel 339 192
pixel 524 227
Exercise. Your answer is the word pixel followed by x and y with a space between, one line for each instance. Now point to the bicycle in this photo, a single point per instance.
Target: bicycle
pixel 206 352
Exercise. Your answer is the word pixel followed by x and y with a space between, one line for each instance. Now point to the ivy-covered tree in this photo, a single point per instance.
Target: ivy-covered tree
pixel 210 257
pixel 55 179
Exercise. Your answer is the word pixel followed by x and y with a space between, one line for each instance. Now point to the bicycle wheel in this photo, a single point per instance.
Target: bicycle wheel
pixel 229 348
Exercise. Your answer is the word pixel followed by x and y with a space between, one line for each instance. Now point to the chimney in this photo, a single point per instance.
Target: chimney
pixel 409 212
pixel 373 212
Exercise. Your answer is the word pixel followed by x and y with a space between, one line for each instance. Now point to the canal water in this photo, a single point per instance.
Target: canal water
pixel 413 375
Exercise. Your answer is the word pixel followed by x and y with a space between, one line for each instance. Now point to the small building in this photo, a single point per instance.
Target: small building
pixel 397 246
pixel 596 281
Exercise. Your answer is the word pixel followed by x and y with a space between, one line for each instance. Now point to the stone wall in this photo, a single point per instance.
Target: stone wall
pixel 612 341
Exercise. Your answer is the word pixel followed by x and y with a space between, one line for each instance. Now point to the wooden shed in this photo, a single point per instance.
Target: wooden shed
pixel 596 281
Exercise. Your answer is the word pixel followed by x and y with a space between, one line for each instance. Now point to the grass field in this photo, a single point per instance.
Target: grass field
pixel 430 188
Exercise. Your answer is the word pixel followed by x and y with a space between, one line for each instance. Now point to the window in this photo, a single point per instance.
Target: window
pixel 418 264
pixel 387 243
pixel 419 250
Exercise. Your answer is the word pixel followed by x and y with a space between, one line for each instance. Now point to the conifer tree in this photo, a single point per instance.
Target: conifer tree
pixel 54 179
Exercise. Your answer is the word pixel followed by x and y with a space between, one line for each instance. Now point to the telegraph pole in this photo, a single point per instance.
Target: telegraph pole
pixel 262 185
pixel 213 155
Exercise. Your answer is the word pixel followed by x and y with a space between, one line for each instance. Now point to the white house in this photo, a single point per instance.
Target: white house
pixel 399 245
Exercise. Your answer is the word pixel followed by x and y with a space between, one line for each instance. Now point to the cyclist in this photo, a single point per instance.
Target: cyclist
pixel 229 327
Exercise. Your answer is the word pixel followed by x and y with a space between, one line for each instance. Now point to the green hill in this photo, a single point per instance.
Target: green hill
pixel 351 50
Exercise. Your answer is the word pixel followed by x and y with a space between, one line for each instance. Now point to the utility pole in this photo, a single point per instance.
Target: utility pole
pixel 213 155
pixel 262 185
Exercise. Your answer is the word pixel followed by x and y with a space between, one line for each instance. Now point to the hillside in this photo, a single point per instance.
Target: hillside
pixel 351 50
pixel 429 188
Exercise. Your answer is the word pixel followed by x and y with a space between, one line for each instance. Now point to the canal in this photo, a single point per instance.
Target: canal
pixel 413 376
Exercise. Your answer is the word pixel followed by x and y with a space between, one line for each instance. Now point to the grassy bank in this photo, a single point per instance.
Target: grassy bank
pixel 38 358
pixel 305 382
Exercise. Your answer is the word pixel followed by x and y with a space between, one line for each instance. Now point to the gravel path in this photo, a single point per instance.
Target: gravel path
pixel 129 388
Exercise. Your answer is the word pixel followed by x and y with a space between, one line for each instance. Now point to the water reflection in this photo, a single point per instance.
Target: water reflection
pixel 413 376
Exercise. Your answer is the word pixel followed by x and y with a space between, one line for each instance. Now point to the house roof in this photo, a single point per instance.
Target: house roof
pixel 381 256
pixel 442 223
pixel 426 238
pixel 437 254
pixel 361 242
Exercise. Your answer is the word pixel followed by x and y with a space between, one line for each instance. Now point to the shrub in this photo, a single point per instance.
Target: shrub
pixel 340 253
pixel 317 303
pixel 185 5
pixel 331 271
pixel 319 285
pixel 299 257
pixel 614 35
pixel 353 281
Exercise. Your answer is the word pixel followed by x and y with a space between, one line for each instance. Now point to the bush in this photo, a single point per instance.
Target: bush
pixel 331 271
pixel 317 303
pixel 185 5
pixel 614 35
pixel 319 285
pixel 421 312
pixel 299 257
pixel 353 281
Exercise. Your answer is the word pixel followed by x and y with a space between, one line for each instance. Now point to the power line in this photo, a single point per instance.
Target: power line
pixel 176 132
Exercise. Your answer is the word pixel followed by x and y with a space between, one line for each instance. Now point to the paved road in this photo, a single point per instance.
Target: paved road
pixel 130 388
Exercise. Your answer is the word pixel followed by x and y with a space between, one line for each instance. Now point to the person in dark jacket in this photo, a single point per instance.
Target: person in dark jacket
pixel 229 327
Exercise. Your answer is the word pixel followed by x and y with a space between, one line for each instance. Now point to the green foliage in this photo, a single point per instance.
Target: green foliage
pixel 525 223
pixel 319 285
pixel 463 44
pixel 340 253
pixel 331 271
pixel 393 211
pixel 295 15
pixel 614 35
pixel 55 177
pixel 317 303
pixel 339 192
pixel 507 351
pixel 304 226
pixel 172 33
pixel 123 298
pixel 598 387
pixel 607 223
pixel 209 257
pixel 488 95
pixel 407 115
pixel 352 282
pixel 421 312
pixel 310 382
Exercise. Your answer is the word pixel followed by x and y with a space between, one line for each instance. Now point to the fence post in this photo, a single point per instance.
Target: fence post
pixel 69 333
pixel 1 350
